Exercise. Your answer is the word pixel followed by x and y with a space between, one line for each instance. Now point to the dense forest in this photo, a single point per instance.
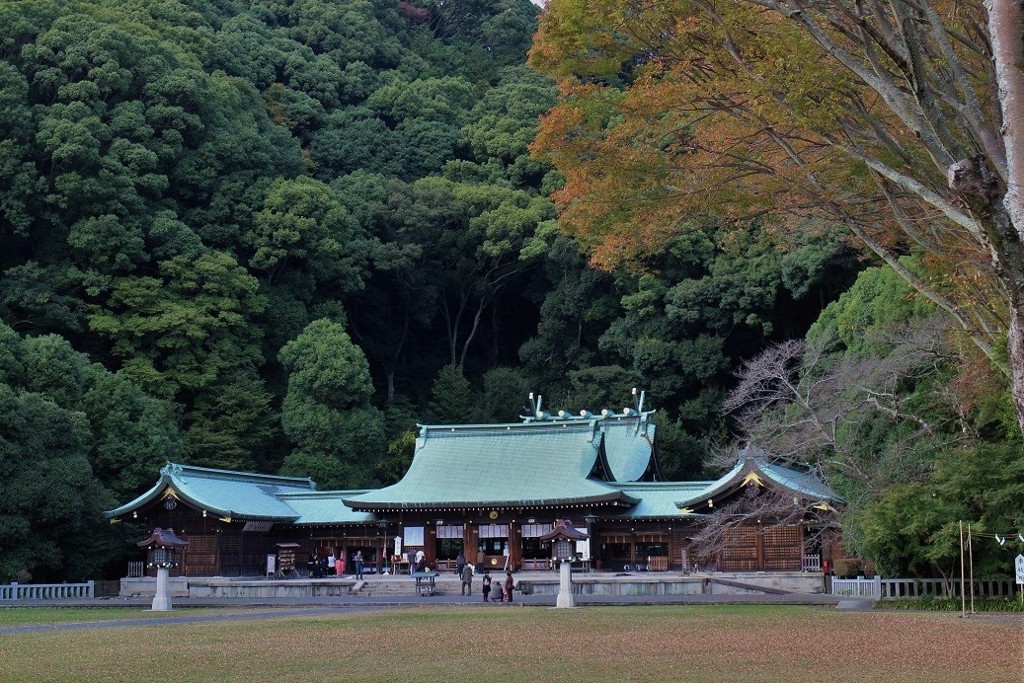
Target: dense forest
pixel 273 235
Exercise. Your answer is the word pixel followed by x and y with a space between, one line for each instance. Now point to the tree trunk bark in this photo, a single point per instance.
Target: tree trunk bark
pixel 494 353
pixel 1009 265
pixel 1005 25
pixel 1015 343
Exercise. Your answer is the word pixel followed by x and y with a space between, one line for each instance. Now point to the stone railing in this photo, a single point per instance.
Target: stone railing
pixel 47 591
pixel 917 588
pixel 858 588
pixel 879 588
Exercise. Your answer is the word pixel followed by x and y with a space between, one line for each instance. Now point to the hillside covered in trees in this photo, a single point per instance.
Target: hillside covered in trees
pixel 272 235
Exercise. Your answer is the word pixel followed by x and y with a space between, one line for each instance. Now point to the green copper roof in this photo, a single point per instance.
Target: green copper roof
pixel 628 446
pixel 659 499
pixel 223 493
pixel 326 507
pixel 522 465
pixel 545 463
pixel 752 462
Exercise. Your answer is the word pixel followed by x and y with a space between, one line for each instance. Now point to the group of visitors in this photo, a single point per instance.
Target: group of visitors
pixel 321 567
pixel 493 591
pixel 497 591
pixel 417 561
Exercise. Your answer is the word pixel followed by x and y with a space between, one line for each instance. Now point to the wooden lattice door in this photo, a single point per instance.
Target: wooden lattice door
pixel 201 556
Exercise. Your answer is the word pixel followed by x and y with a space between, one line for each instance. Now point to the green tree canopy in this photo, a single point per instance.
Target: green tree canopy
pixel 326 412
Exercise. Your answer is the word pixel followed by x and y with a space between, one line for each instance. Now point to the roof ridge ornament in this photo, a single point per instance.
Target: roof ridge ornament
pixel 537 412
pixel 638 402
pixel 537 409
pixel 638 406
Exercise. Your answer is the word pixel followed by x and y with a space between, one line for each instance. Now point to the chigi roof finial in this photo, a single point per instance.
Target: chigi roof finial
pixel 638 400
pixel 536 405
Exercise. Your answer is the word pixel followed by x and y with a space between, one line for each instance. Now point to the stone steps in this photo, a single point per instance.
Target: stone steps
pixel 405 585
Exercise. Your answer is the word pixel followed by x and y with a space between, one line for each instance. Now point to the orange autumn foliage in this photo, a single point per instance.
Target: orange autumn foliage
pixel 675 109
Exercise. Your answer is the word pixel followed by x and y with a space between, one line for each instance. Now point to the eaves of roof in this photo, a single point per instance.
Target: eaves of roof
pixel 226 494
pixel 610 499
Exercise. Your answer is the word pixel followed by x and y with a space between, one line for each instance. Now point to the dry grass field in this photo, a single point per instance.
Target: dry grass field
pixel 746 644
pixel 58 615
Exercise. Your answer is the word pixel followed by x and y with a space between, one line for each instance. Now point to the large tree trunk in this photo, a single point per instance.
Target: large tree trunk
pixel 1010 268
pixel 981 189
pixel 1006 25
pixel 1016 348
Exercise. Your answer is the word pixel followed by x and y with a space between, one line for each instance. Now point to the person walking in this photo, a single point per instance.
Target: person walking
pixel 467 579
pixel 359 565
pixel 487 584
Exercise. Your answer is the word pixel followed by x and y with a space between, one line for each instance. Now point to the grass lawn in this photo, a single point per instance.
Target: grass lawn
pixel 16 616
pixel 746 644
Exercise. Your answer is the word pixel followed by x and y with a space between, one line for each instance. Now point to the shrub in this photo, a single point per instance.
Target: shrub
pixel 953 604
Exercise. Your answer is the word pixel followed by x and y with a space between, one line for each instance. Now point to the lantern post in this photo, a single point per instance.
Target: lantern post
pixel 563 551
pixel 163 544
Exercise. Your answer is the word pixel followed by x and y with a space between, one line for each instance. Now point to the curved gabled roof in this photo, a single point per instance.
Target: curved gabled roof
pixel 628 446
pixel 523 465
pixel 224 493
pixel 803 483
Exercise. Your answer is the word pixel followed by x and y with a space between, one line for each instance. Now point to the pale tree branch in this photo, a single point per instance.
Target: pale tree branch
pixel 792 399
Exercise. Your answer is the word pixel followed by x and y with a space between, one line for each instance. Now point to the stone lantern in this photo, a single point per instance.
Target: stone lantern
pixel 164 545
pixel 563 551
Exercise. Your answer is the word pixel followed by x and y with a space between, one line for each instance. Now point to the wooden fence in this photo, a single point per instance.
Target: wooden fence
pixel 880 589
pixel 810 563
pixel 47 591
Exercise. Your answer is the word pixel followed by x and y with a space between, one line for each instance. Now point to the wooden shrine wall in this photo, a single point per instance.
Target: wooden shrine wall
pixel 761 548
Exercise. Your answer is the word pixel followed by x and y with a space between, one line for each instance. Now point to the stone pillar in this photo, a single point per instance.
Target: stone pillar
pixel 162 599
pixel 565 596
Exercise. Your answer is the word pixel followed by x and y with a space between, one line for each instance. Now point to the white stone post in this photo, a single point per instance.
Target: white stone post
pixel 162 599
pixel 565 597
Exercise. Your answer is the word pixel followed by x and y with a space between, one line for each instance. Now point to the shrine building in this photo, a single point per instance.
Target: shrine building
pixel 494 489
